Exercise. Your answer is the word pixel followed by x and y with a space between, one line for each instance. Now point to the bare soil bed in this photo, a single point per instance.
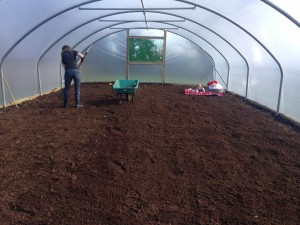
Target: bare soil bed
pixel 167 158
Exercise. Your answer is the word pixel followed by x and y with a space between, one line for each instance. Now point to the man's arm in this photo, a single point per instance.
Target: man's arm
pixel 80 55
pixel 81 59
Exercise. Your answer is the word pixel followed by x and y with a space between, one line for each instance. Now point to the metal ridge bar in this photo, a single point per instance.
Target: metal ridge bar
pixel 138 9
pixel 142 20
pixel 145 37
pixel 157 28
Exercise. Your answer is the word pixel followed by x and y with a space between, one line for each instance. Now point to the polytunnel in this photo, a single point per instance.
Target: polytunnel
pixel 250 46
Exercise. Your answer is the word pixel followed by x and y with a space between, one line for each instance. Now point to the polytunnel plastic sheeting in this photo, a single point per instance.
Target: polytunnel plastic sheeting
pixel 22 18
pixel 106 61
pixel 222 75
pixel 291 7
pixel 225 72
pixel 146 73
pixel 186 63
pixel 222 70
pixel 54 55
pixel 246 43
pixel 219 61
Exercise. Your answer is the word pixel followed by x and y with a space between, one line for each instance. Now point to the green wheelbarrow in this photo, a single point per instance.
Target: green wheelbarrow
pixel 125 88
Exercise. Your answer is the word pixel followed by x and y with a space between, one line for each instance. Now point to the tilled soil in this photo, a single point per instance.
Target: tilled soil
pixel 165 158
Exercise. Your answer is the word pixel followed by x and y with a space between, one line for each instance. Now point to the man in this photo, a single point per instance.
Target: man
pixel 69 61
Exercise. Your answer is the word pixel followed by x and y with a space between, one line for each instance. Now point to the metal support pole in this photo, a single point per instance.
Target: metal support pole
pixel 3 91
pixel 127 56
pixel 164 58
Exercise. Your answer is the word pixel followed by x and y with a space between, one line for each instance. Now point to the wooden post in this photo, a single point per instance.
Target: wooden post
pixel 10 93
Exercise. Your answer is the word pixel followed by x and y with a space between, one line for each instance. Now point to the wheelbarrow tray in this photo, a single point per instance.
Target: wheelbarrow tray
pixel 125 86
